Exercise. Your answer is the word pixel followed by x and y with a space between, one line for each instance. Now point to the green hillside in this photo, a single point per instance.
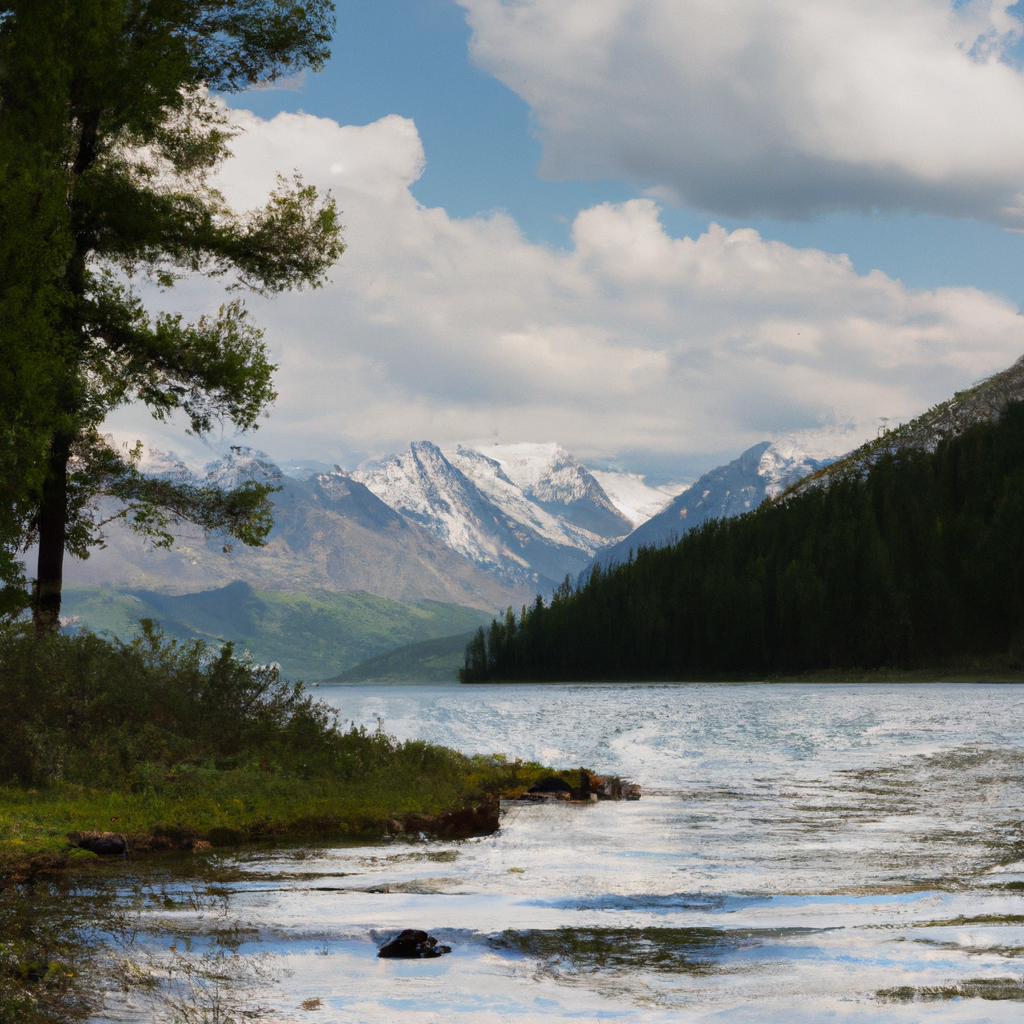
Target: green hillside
pixel 916 561
pixel 311 635
pixel 427 661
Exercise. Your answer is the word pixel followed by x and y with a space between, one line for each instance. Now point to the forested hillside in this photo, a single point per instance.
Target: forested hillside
pixel 918 561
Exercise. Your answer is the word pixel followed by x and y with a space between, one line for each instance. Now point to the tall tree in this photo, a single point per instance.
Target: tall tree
pixel 108 138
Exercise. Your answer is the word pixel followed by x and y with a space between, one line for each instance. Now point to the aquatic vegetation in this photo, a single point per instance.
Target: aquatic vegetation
pixel 974 988
pixel 47 953
pixel 683 950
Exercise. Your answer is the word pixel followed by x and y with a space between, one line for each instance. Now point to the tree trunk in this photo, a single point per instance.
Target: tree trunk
pixel 53 517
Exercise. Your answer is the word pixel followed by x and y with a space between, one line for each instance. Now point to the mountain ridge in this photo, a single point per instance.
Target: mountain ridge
pixel 763 471
pixel 982 402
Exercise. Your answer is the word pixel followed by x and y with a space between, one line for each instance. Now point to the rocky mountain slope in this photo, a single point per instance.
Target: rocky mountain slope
pixel 330 533
pixel 763 471
pixel 980 403
pixel 560 484
pixel 519 518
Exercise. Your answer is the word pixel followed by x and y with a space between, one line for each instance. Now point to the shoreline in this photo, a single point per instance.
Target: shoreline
pixel 53 829
pixel 816 676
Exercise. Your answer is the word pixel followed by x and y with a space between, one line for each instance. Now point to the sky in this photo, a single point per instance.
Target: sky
pixel 655 231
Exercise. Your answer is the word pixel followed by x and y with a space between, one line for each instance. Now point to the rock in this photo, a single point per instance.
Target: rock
pixel 481 819
pixel 631 791
pixel 550 784
pixel 103 843
pixel 412 945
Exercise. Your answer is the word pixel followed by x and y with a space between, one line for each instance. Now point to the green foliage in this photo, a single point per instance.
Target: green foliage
pixel 107 141
pixel 86 709
pixel 918 562
pixel 154 718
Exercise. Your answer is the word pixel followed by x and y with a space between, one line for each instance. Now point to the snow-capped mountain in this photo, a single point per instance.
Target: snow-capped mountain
pixel 241 466
pixel 489 478
pixel 557 482
pixel 763 471
pixel 636 499
pixel 166 466
pixel 330 533
pixel 470 503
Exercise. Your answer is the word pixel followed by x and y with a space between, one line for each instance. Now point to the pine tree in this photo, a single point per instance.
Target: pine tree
pixel 108 138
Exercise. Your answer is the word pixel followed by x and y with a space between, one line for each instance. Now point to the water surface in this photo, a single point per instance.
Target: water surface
pixel 801 853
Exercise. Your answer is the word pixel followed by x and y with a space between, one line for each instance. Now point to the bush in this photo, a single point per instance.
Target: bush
pixel 107 713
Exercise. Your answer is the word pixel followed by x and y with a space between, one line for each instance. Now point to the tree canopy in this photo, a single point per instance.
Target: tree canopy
pixel 917 562
pixel 109 136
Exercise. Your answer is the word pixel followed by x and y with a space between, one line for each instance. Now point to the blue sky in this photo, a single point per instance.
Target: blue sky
pixel 411 57
pixel 655 231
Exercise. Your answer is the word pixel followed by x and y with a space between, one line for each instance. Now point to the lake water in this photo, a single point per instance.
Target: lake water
pixel 800 853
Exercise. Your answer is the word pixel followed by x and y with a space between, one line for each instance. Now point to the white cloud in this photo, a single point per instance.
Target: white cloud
pixel 778 107
pixel 632 343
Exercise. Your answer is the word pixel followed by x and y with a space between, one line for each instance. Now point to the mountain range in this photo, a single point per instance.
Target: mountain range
pixel 459 527
pixel 480 528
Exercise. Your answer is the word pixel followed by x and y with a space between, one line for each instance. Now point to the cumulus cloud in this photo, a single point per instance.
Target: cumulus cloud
pixel 777 107
pixel 630 343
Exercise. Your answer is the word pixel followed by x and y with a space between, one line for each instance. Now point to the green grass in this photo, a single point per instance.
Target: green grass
pixel 229 807
pixel 220 807
pixel 311 635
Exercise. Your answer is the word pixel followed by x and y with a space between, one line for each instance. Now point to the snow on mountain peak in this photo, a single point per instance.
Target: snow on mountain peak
pixel 424 486
pixel 165 466
pixel 489 476
pixel 467 500
pixel 637 500
pixel 243 465
pixel 782 464
pixel 546 472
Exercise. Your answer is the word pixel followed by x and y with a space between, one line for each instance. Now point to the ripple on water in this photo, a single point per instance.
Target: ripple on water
pixel 801 852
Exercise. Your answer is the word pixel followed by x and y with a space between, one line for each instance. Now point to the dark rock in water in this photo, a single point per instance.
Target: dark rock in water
pixel 481 819
pixel 412 945
pixel 550 784
pixel 103 843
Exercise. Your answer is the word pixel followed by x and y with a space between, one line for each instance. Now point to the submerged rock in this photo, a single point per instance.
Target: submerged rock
pixel 412 945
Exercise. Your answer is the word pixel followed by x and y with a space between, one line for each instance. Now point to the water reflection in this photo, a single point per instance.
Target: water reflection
pixel 807 852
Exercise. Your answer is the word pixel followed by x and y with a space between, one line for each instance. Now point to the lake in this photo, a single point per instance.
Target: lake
pixel 800 853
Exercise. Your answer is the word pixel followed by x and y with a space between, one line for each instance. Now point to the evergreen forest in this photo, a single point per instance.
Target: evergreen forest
pixel 916 562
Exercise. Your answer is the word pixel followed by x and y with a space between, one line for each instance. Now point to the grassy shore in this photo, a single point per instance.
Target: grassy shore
pixel 204 808
pixel 180 746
